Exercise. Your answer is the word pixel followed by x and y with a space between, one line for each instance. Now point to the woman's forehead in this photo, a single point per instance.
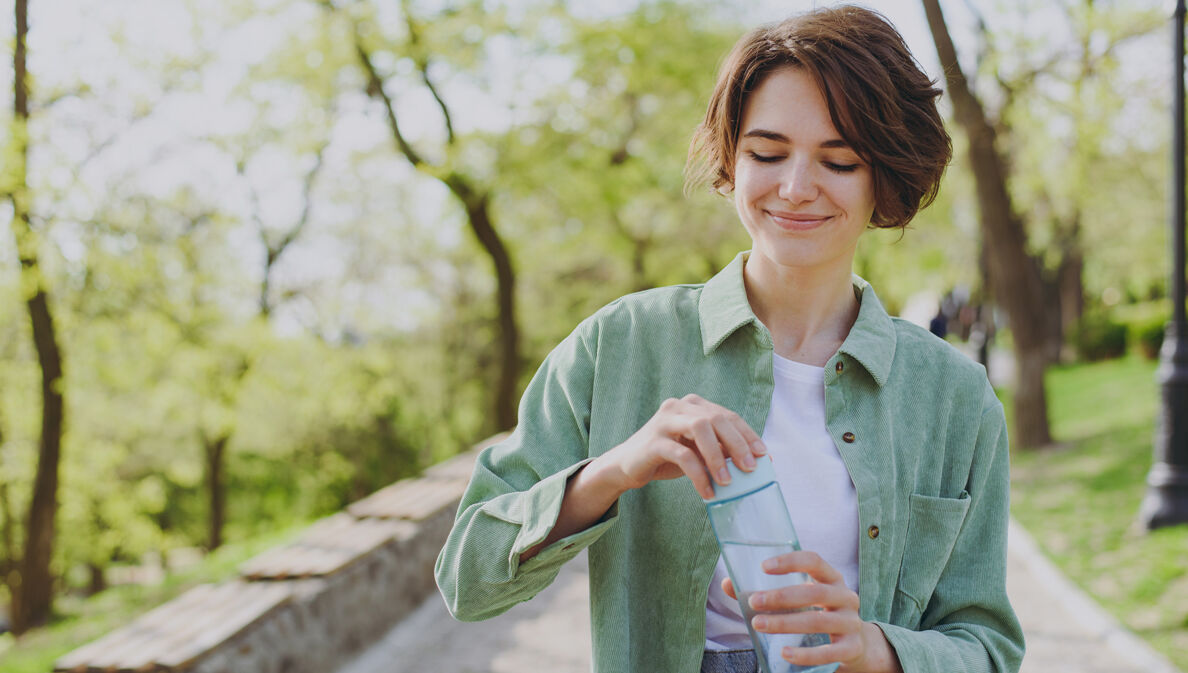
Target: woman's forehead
pixel 788 106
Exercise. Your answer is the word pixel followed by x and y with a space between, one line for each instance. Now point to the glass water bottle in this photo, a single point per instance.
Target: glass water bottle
pixel 750 519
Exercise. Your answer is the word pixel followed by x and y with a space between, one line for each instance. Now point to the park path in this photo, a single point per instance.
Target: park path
pixel 1066 631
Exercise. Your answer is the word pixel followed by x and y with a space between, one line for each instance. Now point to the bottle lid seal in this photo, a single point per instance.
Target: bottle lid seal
pixel 742 483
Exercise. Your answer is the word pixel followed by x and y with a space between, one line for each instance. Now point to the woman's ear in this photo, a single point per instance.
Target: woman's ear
pixel 725 188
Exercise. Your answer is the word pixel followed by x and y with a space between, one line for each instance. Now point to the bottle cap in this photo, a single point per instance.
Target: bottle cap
pixel 742 483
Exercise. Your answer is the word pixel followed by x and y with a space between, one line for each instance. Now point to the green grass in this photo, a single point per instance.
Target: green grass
pixel 79 621
pixel 1080 500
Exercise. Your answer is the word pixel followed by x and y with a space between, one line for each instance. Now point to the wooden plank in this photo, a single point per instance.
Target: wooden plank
pixel 419 498
pixel 178 634
pixel 411 500
pixel 180 630
pixel 107 652
pixel 325 548
pixel 249 602
pixel 462 465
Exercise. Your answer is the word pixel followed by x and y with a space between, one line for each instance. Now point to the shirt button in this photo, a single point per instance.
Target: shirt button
pixel 873 532
pixel 848 438
pixel 840 366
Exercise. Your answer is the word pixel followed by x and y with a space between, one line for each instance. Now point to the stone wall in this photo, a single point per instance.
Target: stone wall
pixel 306 607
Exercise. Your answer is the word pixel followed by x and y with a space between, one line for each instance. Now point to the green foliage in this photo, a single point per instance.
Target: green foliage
pixel 1099 337
pixel 593 180
pixel 1082 127
pixel 1081 501
pixel 1146 323
pixel 1149 337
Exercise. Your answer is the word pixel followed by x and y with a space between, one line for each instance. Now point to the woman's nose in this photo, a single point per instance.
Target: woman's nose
pixel 798 184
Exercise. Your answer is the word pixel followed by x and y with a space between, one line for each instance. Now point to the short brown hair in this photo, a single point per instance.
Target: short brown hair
pixel 879 99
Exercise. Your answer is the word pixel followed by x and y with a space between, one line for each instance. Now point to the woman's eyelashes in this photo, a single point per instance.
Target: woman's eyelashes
pixel 766 158
pixel 841 168
pixel 831 165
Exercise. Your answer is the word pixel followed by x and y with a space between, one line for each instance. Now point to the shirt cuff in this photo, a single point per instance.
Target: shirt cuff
pixel 926 651
pixel 544 499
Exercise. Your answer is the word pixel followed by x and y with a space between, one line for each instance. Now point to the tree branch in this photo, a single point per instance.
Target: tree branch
pixel 422 61
pixel 375 89
pixel 622 154
pixel 273 252
pixel 983 33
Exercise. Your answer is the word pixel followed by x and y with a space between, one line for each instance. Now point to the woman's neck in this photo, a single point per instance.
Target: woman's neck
pixel 809 312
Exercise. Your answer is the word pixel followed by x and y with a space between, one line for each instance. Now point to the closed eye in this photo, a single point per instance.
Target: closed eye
pixel 766 158
pixel 841 168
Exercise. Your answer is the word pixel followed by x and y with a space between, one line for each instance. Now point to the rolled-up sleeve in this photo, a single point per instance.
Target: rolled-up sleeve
pixel 515 493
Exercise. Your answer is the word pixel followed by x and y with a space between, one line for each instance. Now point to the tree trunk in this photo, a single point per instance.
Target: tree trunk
pixel 1070 277
pixel 33 600
pixel 479 216
pixel 1053 325
pixel 216 490
pixel 1015 276
pixel 98 579
pixel 1064 287
pixel 476 202
pixel 7 545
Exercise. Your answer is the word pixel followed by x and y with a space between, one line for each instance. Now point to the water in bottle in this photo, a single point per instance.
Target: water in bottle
pixel 750 519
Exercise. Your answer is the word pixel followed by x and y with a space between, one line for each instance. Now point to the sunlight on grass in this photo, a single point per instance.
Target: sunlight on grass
pixel 1080 500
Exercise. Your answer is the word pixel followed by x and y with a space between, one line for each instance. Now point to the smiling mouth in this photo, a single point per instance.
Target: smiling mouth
pixel 797 221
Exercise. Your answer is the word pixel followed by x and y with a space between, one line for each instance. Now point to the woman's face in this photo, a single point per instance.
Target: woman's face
pixel 802 193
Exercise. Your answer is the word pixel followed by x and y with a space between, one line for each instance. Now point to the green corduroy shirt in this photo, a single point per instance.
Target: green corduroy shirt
pixel 916 423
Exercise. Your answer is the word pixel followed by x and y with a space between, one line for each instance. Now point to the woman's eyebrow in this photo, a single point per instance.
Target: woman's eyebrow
pixel 781 138
pixel 767 135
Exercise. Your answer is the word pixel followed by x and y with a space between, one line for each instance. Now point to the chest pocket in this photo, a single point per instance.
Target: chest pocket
pixel 933 525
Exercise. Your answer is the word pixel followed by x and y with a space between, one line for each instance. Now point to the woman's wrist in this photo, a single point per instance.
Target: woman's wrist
pixel 880 656
pixel 600 480
pixel 589 494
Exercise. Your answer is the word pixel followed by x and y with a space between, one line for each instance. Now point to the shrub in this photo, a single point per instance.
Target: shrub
pixel 1149 336
pixel 1099 337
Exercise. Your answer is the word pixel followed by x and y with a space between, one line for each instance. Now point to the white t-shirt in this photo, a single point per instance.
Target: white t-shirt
pixel 815 484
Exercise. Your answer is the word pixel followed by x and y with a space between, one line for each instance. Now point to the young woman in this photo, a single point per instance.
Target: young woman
pixel 890 446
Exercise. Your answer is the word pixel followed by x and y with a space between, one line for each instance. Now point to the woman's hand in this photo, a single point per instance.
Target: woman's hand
pixel 859 646
pixel 685 437
pixel 690 437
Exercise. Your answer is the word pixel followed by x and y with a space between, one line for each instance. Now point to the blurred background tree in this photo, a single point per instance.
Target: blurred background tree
pixel 299 249
pixel 1045 93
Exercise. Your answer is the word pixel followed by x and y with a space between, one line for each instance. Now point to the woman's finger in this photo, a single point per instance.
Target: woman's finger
pixel 807 562
pixel 690 463
pixel 752 438
pixel 740 451
pixel 728 587
pixel 807 621
pixel 740 440
pixel 800 596
pixel 703 436
pixel 839 650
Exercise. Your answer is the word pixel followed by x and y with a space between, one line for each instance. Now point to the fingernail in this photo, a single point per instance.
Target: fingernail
pixel 769 565
pixel 759 448
pixel 756 601
pixel 748 460
pixel 723 476
pixel 759 623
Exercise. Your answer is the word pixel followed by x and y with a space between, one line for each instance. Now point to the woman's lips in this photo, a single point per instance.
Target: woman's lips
pixel 796 221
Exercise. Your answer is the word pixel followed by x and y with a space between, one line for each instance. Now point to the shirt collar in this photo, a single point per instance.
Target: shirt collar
pixel 724 308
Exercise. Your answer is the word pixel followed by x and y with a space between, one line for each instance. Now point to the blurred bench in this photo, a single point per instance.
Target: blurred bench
pixel 307 606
